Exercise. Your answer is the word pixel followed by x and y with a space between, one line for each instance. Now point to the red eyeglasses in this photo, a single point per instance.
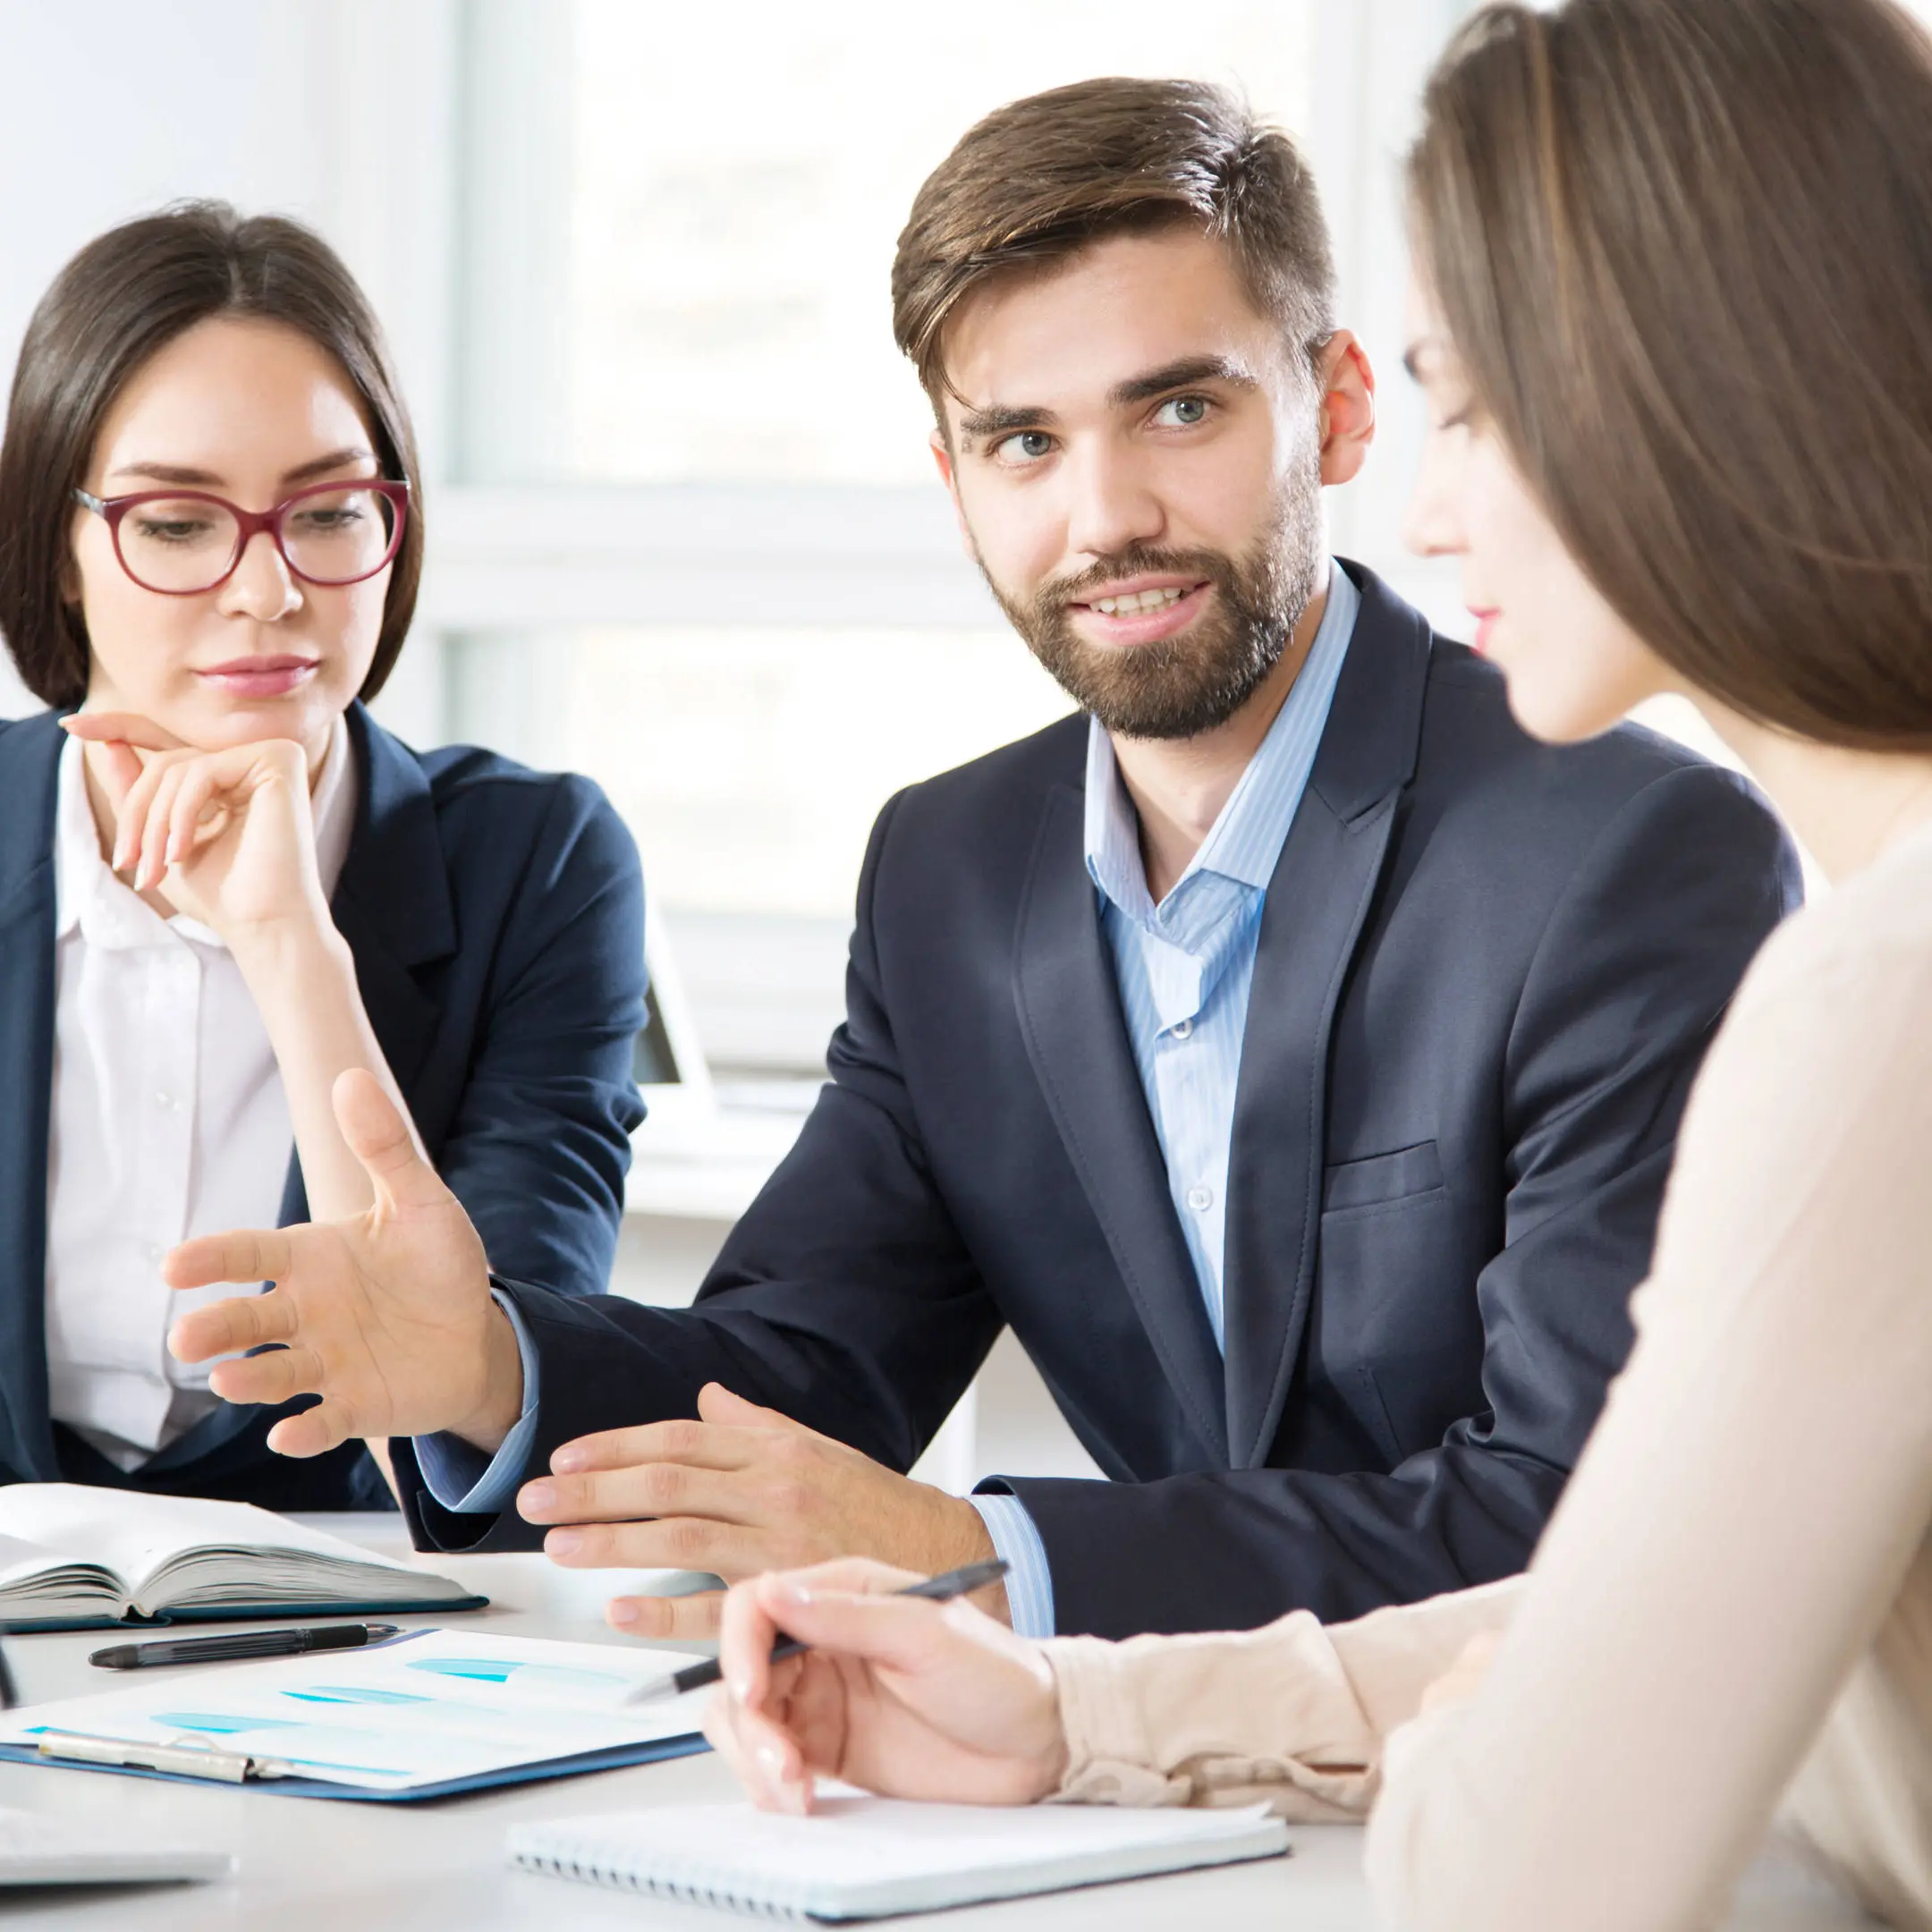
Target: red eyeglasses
pixel 181 543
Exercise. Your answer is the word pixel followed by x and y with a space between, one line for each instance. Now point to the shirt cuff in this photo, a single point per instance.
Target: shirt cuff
pixel 458 1474
pixel 1016 1541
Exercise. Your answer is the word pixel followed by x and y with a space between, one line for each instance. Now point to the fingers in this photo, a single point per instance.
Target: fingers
pixel 247 1255
pixel 717 1403
pixel 903 1633
pixel 692 1619
pixel 381 1138
pixel 667 1543
pixel 121 727
pixel 769 1763
pixel 269 1379
pixel 694 1444
pixel 150 861
pixel 639 1492
pixel 131 813
pixel 194 801
pixel 312 1433
pixel 228 1328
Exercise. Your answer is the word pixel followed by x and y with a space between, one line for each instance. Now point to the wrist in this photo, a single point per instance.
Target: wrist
pixel 292 950
pixel 500 1406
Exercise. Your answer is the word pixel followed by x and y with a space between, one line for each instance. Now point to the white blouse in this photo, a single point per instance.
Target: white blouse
pixel 168 1121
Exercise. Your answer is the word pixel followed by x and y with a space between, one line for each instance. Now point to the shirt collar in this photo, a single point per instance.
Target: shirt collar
pixel 86 892
pixel 1245 840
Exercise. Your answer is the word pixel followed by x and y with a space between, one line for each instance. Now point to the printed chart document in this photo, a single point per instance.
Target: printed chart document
pixel 857 1857
pixel 73 1556
pixel 419 1716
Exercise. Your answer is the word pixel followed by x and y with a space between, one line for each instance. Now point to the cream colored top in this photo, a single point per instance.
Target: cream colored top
pixel 1734 1602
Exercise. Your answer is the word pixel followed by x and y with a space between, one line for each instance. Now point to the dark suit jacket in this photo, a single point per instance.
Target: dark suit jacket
pixel 1487 972
pixel 496 918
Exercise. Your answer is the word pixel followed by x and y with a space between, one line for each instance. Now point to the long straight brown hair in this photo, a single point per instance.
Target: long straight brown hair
pixel 1683 249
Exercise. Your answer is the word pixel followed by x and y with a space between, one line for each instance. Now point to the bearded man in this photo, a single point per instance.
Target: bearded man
pixel 1286 1047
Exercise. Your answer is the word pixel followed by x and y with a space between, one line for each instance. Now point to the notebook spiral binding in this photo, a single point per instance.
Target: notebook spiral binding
pixel 700 1886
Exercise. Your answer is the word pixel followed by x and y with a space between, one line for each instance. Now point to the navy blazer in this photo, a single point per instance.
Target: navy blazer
pixel 1487 972
pixel 496 920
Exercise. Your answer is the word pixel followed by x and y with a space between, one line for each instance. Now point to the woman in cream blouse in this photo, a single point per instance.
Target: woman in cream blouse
pixel 1674 327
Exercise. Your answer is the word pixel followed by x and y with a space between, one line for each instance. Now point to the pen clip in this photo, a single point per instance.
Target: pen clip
pixel 186 1760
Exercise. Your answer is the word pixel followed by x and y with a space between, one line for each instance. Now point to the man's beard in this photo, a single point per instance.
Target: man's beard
pixel 1181 686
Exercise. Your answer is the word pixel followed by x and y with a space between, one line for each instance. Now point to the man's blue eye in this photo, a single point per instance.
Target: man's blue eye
pixel 1030 445
pixel 1186 410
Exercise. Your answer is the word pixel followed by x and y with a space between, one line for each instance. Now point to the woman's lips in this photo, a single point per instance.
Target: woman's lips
pixel 1485 624
pixel 260 677
pixel 1145 626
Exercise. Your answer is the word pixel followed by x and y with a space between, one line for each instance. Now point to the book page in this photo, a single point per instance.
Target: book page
pixel 140 1536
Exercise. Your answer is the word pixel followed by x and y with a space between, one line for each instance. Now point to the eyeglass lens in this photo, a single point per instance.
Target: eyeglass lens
pixel 190 544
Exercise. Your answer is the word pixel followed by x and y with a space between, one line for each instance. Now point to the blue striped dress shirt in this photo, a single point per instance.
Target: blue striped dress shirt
pixel 1184 968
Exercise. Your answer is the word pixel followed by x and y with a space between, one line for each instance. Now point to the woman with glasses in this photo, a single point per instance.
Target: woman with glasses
pixel 223 885
pixel 1674 329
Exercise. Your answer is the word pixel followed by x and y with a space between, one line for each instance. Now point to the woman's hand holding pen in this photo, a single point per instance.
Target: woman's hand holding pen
pixel 227 836
pixel 905 1697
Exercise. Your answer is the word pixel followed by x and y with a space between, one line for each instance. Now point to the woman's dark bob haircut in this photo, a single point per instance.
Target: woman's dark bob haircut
pixel 126 294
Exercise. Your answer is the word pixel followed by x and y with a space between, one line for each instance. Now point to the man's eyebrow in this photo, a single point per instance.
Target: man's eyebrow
pixel 190 477
pixel 1000 419
pixel 1180 375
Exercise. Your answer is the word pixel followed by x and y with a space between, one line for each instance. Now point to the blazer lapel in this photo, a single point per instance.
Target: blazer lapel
pixel 30 762
pixel 393 902
pixel 1318 903
pixel 1069 1017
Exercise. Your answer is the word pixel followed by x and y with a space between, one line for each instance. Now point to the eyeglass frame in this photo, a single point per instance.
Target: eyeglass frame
pixel 251 523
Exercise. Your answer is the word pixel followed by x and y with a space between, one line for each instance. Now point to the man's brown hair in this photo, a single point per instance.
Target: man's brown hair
pixel 1683 249
pixel 1039 180
pixel 127 293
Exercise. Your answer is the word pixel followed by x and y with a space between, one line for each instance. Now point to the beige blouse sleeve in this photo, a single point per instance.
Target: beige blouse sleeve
pixel 1730 1543
pixel 1293 1714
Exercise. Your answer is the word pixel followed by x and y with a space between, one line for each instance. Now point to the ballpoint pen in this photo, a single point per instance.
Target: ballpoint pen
pixel 232 1647
pixel 695 1676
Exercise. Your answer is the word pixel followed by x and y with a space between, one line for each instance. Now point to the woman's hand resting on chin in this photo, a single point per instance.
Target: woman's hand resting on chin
pixel 226 837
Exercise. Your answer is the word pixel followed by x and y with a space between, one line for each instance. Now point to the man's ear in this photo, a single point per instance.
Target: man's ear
pixel 1347 410
pixel 949 476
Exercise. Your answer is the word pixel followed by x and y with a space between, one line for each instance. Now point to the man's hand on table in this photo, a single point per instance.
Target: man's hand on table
pixel 388 1316
pixel 741 1490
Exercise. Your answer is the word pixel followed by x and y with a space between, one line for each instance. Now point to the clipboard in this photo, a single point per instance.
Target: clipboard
pixel 428 1714
pixel 615 1759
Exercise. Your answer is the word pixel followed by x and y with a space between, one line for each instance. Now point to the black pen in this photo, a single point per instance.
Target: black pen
pixel 696 1677
pixel 230 1649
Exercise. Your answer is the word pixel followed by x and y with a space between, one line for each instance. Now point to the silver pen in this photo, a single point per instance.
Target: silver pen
pixel 188 1760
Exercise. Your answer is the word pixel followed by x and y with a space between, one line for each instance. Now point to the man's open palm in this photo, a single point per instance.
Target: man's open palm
pixel 388 1318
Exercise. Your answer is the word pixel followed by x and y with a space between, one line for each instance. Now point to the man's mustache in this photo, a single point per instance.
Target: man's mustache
pixel 1209 566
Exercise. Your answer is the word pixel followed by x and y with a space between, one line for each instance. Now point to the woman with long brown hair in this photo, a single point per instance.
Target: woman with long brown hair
pixel 1674 324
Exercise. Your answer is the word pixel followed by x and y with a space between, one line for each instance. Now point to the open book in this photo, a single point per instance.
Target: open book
pixel 72 1556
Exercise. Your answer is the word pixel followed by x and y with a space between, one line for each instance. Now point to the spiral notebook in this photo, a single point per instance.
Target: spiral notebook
pixel 870 1858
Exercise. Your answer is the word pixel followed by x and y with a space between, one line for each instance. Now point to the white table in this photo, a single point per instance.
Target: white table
pixel 314 1865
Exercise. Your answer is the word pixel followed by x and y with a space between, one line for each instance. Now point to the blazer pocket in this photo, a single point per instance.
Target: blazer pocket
pixel 1382 1178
